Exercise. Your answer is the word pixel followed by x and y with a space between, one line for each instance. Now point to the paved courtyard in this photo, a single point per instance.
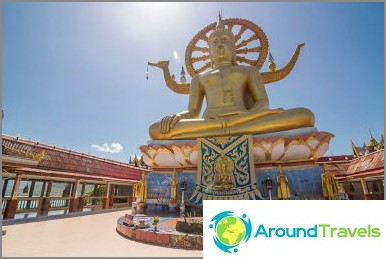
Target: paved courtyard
pixel 84 236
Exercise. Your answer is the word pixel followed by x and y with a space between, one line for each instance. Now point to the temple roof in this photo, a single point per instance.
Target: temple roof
pixel 65 160
pixel 370 162
pixel 344 167
pixel 372 146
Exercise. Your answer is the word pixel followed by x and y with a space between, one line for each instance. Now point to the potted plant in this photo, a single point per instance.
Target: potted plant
pixel 155 222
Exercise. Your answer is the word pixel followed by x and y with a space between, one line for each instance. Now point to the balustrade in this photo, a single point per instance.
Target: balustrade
pixel 44 203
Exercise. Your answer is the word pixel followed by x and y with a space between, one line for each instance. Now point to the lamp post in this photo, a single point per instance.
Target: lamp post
pixel 269 186
pixel 182 206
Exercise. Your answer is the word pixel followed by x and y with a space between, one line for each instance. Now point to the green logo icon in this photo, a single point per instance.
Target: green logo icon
pixel 230 230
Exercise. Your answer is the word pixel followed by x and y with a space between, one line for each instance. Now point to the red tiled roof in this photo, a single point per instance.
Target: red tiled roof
pixel 41 172
pixel 337 169
pixel 372 161
pixel 370 164
pixel 72 161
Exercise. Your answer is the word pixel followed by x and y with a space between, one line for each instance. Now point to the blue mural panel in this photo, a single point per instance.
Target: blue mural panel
pixel 158 185
pixel 304 183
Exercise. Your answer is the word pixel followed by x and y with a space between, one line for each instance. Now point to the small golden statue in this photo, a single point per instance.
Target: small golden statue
pixel 237 102
pixel 329 185
pixel 283 191
pixel 173 188
pixel 136 191
pixel 141 189
pixel 223 168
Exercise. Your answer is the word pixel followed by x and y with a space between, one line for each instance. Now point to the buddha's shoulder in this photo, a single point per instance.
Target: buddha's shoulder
pixel 246 69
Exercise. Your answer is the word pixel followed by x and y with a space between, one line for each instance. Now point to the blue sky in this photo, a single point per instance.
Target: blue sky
pixel 74 73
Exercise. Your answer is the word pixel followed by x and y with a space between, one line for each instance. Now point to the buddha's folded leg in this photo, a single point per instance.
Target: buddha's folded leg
pixel 286 120
pixel 186 128
pixel 258 123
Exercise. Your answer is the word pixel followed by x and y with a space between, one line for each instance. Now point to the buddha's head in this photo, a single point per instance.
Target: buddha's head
pixel 222 46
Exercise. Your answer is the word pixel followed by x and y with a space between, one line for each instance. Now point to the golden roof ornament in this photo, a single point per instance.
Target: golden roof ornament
pixel 272 65
pixel 183 78
pixel 355 151
pixel 381 143
pixel 372 142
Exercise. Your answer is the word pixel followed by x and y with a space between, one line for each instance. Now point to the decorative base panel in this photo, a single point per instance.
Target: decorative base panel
pixel 287 146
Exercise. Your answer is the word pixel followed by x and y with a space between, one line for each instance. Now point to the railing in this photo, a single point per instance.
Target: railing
pixel 121 201
pixel 25 204
pixel 59 202
pixel 93 202
pixel 4 202
pixel 28 203
pixel 45 204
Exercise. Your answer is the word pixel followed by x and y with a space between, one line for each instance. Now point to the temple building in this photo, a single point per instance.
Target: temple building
pixel 361 174
pixel 39 178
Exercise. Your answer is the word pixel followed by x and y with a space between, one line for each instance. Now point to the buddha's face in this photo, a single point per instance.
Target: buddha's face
pixel 221 47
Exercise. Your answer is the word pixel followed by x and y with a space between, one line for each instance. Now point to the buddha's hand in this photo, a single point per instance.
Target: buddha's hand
pixel 168 122
pixel 265 112
pixel 273 111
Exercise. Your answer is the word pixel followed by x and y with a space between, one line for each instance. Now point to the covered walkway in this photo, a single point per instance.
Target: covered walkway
pixel 40 179
pixel 83 236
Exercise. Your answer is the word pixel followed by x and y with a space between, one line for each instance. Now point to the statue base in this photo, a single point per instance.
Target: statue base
pixel 255 158
pixel 299 145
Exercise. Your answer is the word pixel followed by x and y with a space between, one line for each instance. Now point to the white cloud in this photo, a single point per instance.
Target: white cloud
pixel 113 148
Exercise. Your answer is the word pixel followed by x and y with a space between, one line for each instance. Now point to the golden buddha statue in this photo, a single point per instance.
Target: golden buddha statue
pixel 173 188
pixel 237 102
pixel 329 185
pixel 283 191
pixel 136 190
pixel 223 168
pixel 141 189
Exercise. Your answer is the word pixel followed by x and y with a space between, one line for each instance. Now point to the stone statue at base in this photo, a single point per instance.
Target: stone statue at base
pixel 141 189
pixel 173 188
pixel 329 185
pixel 283 191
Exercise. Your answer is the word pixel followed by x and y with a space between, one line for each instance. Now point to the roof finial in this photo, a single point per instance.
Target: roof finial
pixel 380 144
pixel 354 149
pixel 272 65
pixel 372 141
pixel 220 24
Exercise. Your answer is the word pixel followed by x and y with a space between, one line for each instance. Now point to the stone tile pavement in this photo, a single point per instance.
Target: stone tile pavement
pixel 83 236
